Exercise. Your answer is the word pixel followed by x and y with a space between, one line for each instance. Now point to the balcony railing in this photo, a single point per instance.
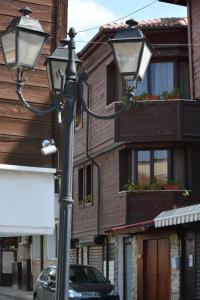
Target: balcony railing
pixel 145 205
pixel 160 121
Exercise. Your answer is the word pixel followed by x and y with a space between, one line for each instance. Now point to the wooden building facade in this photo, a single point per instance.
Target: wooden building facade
pixel 21 133
pixel 125 153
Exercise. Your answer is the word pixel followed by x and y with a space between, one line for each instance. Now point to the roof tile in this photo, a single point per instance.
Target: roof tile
pixel 148 24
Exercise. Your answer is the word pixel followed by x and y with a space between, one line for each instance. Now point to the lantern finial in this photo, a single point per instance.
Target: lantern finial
pixel 131 23
pixel 25 11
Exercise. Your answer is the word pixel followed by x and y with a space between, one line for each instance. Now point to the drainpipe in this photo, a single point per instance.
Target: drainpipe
pixel 98 184
pixel 41 252
pixel 94 163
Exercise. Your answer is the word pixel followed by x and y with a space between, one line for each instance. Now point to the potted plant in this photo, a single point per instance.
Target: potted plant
pixel 144 96
pixel 149 96
pixel 174 94
pixel 171 185
pixel 88 199
pixel 130 187
pixel 155 185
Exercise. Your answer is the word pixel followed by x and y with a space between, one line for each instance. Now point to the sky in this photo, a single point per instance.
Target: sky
pixel 86 14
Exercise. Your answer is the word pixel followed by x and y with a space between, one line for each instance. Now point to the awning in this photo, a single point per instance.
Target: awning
pixel 26 200
pixel 131 228
pixel 178 216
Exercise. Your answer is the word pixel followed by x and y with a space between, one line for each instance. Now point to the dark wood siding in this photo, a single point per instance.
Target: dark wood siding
pixel 197 265
pixel 194 11
pixel 150 122
pixel 21 131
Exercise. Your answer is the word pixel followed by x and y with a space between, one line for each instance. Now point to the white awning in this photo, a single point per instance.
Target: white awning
pixel 178 216
pixel 26 200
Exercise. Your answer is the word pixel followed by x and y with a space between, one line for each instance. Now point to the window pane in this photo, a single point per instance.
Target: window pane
pixel 88 198
pixel 111 83
pixel 179 167
pixel 162 77
pixel 80 187
pixel 184 80
pixel 144 167
pixel 161 166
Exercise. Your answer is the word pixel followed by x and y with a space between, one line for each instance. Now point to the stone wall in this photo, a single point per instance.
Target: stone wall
pixel 175 270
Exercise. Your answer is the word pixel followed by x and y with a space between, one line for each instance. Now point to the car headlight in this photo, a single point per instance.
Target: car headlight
pixel 74 294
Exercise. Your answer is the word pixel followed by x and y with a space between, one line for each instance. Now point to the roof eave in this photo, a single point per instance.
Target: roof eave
pixel 178 2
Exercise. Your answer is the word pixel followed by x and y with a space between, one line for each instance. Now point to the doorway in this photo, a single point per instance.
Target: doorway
pixel 154 269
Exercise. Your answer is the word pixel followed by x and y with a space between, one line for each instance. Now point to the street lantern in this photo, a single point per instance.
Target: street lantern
pixel 132 52
pixel 22 41
pixel 56 66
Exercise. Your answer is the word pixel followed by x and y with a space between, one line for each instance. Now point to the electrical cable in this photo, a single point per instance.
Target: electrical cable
pixel 128 15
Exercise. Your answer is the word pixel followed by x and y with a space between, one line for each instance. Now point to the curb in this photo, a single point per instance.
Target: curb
pixel 17 297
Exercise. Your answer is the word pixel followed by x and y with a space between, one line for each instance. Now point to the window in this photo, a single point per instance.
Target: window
pixel 162 77
pixel 111 83
pixel 159 165
pixel 153 165
pixel 165 76
pixel 36 247
pixel 85 185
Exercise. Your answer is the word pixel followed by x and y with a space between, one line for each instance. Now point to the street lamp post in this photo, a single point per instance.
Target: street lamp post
pixel 64 82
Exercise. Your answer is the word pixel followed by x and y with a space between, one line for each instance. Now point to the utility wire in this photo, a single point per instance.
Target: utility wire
pixel 133 12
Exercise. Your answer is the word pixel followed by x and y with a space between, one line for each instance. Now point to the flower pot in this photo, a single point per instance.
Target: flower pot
pixel 173 97
pixel 153 97
pixel 171 187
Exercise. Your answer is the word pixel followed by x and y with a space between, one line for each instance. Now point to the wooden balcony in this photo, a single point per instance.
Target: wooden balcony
pixel 159 121
pixel 142 206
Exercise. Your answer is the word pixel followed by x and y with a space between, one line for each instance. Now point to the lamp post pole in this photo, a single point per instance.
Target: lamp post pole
pixel 66 162
pixel 132 54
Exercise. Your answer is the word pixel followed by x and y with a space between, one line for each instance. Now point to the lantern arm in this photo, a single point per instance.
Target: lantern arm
pixel 57 105
pixel 83 78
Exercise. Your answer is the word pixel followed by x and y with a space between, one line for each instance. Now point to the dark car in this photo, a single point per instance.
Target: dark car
pixel 86 282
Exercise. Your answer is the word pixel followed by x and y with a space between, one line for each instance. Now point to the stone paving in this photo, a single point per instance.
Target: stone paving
pixel 11 293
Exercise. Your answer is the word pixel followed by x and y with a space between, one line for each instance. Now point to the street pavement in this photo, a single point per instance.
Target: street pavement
pixel 7 293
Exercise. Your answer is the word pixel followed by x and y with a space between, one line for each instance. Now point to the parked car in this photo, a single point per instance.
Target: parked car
pixel 86 282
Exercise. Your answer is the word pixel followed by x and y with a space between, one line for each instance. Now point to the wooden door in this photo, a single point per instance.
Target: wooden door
pixel 156 269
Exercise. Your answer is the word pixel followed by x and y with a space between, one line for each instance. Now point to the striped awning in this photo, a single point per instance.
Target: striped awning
pixel 178 216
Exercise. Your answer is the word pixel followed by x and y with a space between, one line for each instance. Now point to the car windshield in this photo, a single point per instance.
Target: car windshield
pixel 84 274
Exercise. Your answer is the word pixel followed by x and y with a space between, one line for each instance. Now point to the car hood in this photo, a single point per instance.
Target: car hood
pixel 102 288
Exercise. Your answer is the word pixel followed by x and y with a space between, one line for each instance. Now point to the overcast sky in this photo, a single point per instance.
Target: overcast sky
pixel 86 14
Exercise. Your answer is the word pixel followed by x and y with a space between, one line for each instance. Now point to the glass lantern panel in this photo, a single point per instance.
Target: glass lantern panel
pixel 8 45
pixel 145 59
pixel 29 48
pixel 127 55
pixel 56 67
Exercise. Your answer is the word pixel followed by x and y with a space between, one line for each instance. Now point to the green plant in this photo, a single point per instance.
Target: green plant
pixel 144 95
pixel 155 185
pixel 186 193
pixel 165 95
pixel 175 92
pixel 132 101
pixel 80 202
pixel 78 120
pixel 129 187
pixel 88 198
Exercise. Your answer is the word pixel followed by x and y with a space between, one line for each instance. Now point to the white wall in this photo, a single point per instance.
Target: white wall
pixel 26 200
